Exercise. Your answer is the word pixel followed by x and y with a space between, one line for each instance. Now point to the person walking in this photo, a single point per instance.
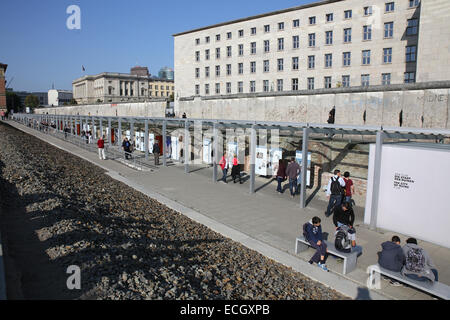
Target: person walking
pixel 335 191
pixel 224 166
pixel 156 152
pixel 126 148
pixel 292 171
pixel 236 170
pixel 281 174
pixel 349 188
pixel 101 148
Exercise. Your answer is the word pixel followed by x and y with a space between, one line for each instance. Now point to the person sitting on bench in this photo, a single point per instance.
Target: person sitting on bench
pixel 391 257
pixel 312 232
pixel 418 264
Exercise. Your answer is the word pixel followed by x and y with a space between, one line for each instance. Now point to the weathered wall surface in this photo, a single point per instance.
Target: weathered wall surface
pixel 145 109
pixel 424 108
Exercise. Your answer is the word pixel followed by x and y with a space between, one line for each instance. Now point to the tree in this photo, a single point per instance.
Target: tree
pixel 172 97
pixel 73 102
pixel 31 101
pixel 13 102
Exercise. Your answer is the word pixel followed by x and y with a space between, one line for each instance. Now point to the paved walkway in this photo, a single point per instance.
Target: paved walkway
pixel 271 220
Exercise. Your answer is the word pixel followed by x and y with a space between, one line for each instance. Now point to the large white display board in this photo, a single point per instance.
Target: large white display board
pixel 275 155
pixel 261 161
pixel 151 142
pixel 414 191
pixel 207 151
pixel 298 158
pixel 174 145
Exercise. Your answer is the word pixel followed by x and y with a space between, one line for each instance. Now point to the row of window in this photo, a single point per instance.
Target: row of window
pixel 409 77
pixel 329 17
pixel 162 87
pixel 412 29
pixel 366 59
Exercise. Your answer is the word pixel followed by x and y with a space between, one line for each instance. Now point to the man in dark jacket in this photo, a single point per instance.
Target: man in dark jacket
pixel 314 236
pixel 391 257
pixel 156 152
pixel 343 215
pixel 292 171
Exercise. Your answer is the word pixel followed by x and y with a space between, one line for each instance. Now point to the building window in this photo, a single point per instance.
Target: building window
pixel 197 56
pixel 348 14
pixel 328 60
pixel 266 46
pixel 207 54
pixel 280 44
pixel 229 35
pixel 253 48
pixel 347 35
pixel 387 55
pixel 346 59
pixel 241 50
pixel 295 63
pixel 329 37
pixel 197 41
pixel 327 82
pixel 241 33
pixel 228 69
pixel 414 3
pixel 412 27
pixel 410 77
pixel 296 23
pixel 310 83
pixel 207 39
pixel 197 89
pixel 217 71
pixel 411 53
pixel 252 86
pixel 206 89
pixel 241 68
pixel 389 7
pixel 368 11
pixel 386 79
pixel 281 26
pixel 280 65
pixel 295 42
pixel 367 33
pixel 329 17
pixel 389 30
pixel 218 37
pixel 312 20
pixel 365 80
pixel 280 85
pixel 366 57
pixel 266 85
pixel 217 53
pixel 311 62
pixel 228 87
pixel 229 51
pixel 240 86
pixel 206 74
pixel 217 88
pixel 266 66
pixel 253 31
pixel 312 40
pixel 295 84
pixel 346 81
pixel 253 67
pixel 267 28
pixel 197 72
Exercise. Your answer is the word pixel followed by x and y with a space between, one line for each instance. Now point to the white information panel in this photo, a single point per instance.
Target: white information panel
pixel 232 149
pixel 298 158
pixel 174 145
pixel 414 192
pixel 151 142
pixel 275 155
pixel 207 151
pixel 261 161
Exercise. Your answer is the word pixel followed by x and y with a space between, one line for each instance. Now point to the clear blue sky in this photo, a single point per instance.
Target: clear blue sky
pixel 114 36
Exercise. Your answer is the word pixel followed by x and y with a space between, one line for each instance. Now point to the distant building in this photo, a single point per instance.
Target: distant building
pixel 59 97
pixel 166 73
pixel 3 68
pixel 42 96
pixel 107 87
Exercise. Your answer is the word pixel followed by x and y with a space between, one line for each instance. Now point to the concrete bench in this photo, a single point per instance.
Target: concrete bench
pixel 437 289
pixel 349 258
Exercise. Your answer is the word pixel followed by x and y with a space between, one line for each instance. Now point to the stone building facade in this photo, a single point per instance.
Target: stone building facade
pixel 3 68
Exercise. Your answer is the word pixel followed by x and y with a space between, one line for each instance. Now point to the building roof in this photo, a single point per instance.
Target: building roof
pixel 310 5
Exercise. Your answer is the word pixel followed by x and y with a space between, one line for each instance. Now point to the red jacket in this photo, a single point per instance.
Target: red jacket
pixel 101 144
pixel 223 163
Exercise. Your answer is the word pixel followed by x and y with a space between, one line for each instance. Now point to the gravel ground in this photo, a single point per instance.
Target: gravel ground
pixel 57 210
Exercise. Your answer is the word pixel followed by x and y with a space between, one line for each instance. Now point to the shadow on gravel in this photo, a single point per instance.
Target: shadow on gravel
pixel 29 272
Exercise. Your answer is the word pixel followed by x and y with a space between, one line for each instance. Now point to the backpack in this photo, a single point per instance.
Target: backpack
pixel 342 243
pixel 415 260
pixel 305 233
pixel 336 188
